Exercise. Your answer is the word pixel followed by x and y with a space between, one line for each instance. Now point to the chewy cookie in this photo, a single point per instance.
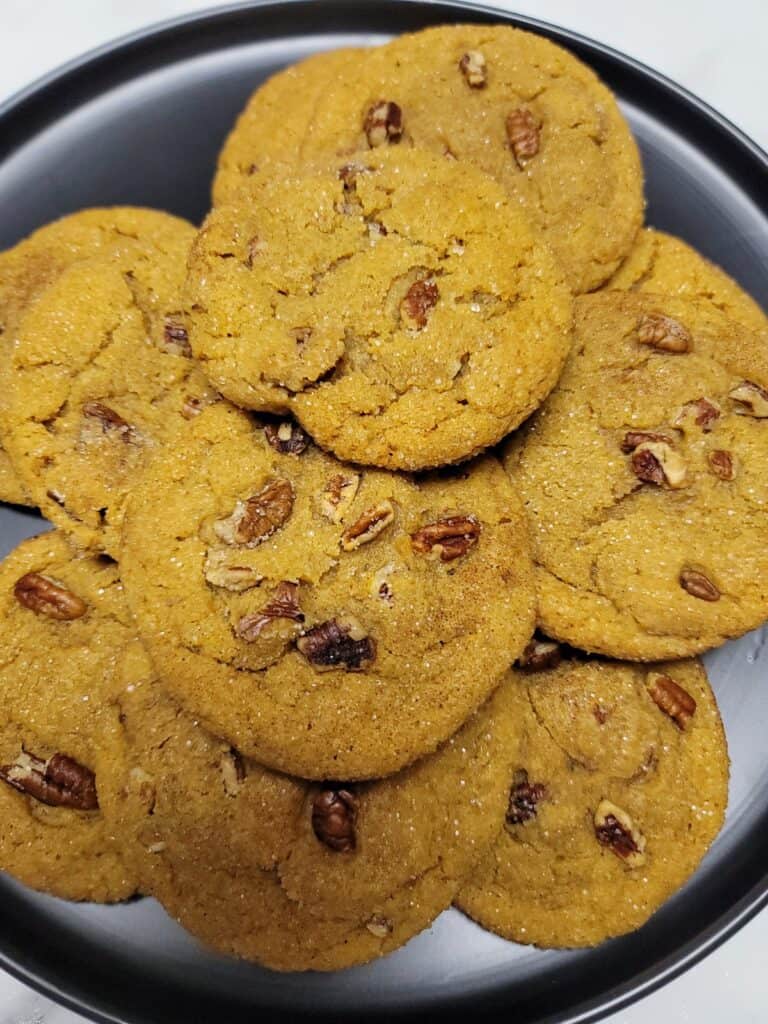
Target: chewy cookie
pixel 645 479
pixel 328 621
pixel 519 107
pixel 400 306
pixel 98 372
pixel 303 876
pixel 666 265
pixel 68 649
pixel 620 790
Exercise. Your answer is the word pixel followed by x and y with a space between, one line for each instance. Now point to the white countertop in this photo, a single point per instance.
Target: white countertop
pixel 717 51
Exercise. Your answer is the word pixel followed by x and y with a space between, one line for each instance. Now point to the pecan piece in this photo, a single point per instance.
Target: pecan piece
pixel 655 462
pixel 702 412
pixel 383 123
pixel 334 815
pixel 750 399
pixel 379 926
pixel 220 573
pixel 722 464
pixel 664 333
pixel 45 596
pixel 256 248
pixel 615 829
pixel 540 654
pixel 338 496
pixel 60 781
pixel 288 438
pixel 110 421
pixel 634 438
pixel 381 586
pixel 370 524
pixel 232 771
pixel 284 605
pixel 472 66
pixel 671 698
pixel 335 644
pixel 524 797
pixel 420 298
pixel 257 518
pixel 176 337
pixel 698 585
pixel 447 538
pixel 523 134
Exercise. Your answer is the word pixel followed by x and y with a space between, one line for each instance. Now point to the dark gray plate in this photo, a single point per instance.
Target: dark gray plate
pixel 141 122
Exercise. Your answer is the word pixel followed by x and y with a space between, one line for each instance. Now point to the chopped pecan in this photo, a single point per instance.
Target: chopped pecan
pixel 615 829
pixel 722 464
pixel 379 926
pixel 334 815
pixel 339 493
pixel 655 462
pixel 420 298
pixel 381 586
pixel 472 66
pixel 671 698
pixel 176 337
pixel 192 407
pixel 383 123
pixel 370 524
pixel 232 771
pixel 523 134
pixel 58 782
pixel 45 596
pixel 142 784
pixel 283 605
pixel 447 538
pixel 335 644
pixel 702 412
pixel 109 421
pixel 524 797
pixel 750 399
pixel 699 585
pixel 257 518
pixel 540 654
pixel 288 438
pixel 634 438
pixel 256 248
pixel 348 174
pixel 301 335
pixel 664 333
pixel 220 573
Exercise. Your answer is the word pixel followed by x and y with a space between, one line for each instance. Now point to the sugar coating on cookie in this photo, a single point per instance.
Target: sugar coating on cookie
pixel 644 477
pixel 520 107
pixel 98 370
pixel 68 649
pixel 327 620
pixel 620 790
pixel 299 875
pixel 399 304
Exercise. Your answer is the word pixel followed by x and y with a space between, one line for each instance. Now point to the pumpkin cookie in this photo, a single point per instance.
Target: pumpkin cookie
pixel 665 265
pixel 620 790
pixel 302 876
pixel 99 370
pixel 328 621
pixel 68 648
pixel 400 306
pixel 645 476
pixel 521 108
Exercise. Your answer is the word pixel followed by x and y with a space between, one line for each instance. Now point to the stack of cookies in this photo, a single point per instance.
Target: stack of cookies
pixel 386 505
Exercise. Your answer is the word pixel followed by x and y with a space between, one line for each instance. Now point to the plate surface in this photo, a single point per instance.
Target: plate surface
pixel 141 122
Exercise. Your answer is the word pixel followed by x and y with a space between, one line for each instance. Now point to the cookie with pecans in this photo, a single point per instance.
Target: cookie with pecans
pixel 328 620
pixel 398 304
pixel 521 108
pixel 299 875
pixel 665 265
pixel 99 367
pixel 68 650
pixel 620 789
pixel 645 476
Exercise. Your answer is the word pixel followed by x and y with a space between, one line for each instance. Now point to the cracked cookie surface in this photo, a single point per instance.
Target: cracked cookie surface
pixel 328 620
pixel 68 648
pixel 521 108
pixel 617 796
pixel 100 365
pixel 297 875
pixel 399 306
pixel 644 476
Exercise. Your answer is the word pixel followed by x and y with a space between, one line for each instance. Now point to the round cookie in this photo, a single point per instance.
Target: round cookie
pixel 68 649
pixel 400 307
pixel 98 372
pixel 645 477
pixel 521 108
pixel 328 621
pixel 666 265
pixel 620 790
pixel 298 875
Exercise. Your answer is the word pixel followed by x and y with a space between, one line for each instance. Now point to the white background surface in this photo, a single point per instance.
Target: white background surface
pixel 718 50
